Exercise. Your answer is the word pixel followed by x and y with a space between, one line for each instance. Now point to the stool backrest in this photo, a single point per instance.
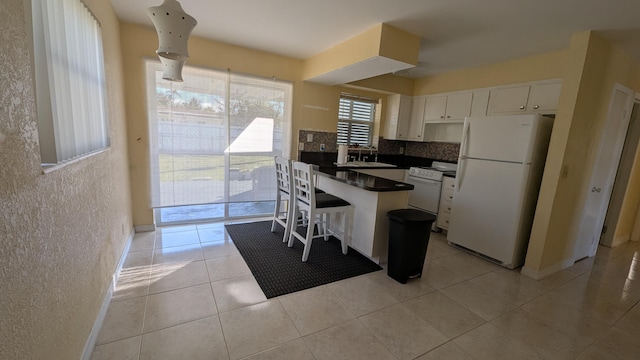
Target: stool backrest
pixel 304 187
pixel 283 174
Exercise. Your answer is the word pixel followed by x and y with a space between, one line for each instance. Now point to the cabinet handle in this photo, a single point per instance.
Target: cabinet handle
pixel 442 117
pixel 419 135
pixel 448 116
pixel 521 107
pixel 536 106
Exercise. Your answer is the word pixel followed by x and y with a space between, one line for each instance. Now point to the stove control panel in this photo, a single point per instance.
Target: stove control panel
pixel 426 173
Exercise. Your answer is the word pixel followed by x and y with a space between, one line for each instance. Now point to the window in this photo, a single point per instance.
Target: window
pixel 355 120
pixel 213 137
pixel 69 80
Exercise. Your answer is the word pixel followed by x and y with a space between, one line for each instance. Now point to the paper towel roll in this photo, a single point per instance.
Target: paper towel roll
pixel 342 154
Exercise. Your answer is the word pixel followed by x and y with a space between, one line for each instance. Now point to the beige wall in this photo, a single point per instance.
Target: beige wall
pixel 531 68
pixel 593 68
pixel 61 234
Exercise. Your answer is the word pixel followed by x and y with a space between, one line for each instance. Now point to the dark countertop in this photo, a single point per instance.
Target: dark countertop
pixel 327 160
pixel 364 181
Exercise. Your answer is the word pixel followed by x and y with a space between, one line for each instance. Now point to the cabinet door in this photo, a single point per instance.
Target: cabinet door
pixel 434 108
pixel 416 122
pixel 398 112
pixel 391 123
pixel 510 100
pixel 404 117
pixel 543 98
pixel 480 103
pixel 458 106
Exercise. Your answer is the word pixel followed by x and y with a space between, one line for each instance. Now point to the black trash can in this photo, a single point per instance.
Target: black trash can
pixel 409 231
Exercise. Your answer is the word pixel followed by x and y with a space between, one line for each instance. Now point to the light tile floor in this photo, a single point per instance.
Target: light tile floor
pixel 185 293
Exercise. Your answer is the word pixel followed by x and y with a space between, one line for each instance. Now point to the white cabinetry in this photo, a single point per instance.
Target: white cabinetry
pixel 398 117
pixel 533 98
pixel 480 103
pixel 453 107
pixel 435 108
pixel 445 117
pixel 416 120
pixel 446 201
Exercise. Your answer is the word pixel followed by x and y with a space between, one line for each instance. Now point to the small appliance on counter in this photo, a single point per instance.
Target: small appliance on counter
pixel 343 154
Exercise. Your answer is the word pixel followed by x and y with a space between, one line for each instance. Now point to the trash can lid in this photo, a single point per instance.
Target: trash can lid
pixel 410 215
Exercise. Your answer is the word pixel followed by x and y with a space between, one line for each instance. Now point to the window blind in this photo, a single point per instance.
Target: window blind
pixel 213 137
pixel 355 120
pixel 70 80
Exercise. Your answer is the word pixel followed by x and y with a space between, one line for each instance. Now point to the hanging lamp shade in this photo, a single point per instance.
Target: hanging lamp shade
pixel 173 26
pixel 171 69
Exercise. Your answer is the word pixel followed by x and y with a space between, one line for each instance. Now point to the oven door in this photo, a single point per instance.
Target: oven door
pixel 425 194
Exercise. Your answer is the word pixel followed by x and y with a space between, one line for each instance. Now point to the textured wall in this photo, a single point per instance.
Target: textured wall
pixel 62 233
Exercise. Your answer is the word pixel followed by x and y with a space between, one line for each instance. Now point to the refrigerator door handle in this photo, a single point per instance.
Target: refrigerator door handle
pixel 465 138
pixel 463 154
pixel 459 173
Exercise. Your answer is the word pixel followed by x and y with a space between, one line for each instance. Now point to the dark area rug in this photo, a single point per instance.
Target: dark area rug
pixel 279 269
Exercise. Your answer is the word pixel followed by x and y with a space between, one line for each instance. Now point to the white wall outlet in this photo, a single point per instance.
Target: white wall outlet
pixel 322 147
pixel 301 146
pixel 309 137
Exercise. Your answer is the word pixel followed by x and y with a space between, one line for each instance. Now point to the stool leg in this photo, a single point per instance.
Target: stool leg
pixel 294 223
pixel 327 225
pixel 309 238
pixel 291 221
pixel 276 212
pixel 345 235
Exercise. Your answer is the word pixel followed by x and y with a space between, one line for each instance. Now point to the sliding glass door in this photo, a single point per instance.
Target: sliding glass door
pixel 212 142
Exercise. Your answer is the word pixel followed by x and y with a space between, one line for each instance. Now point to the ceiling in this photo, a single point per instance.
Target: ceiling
pixel 454 33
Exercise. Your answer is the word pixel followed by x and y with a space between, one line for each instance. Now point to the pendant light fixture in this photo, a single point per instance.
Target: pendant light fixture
pixel 173 26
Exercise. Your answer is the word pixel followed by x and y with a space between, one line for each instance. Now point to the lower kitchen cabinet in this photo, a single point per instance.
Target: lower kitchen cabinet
pixel 446 201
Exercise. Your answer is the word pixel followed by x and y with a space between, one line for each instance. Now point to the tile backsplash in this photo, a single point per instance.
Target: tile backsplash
pixel 432 150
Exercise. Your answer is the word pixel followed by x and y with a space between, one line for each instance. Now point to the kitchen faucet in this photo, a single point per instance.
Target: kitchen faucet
pixel 370 148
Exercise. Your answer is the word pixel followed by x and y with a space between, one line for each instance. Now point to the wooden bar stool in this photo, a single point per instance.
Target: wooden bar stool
pixel 318 207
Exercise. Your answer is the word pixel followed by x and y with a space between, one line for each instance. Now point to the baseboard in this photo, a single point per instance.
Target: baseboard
pixel 97 324
pixel 145 228
pixel 540 274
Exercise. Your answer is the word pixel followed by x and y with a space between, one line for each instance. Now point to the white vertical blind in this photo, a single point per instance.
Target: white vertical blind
pixel 70 80
pixel 213 136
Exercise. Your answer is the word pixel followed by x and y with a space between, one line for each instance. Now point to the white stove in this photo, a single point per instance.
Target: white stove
pixel 427 182
pixel 426 173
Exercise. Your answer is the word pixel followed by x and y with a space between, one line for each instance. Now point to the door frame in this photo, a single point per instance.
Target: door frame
pixel 608 186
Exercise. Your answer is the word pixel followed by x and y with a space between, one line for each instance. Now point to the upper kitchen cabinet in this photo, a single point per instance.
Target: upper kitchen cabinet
pixel 480 103
pixel 533 98
pixel 445 108
pixel 416 120
pixel 398 117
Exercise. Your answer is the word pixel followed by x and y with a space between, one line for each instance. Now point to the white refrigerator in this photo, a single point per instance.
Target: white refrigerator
pixel 497 183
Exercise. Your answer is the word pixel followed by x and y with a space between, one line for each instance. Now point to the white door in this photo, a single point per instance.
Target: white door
pixel 416 124
pixel 543 98
pixel 503 138
pixel 459 106
pixel 604 171
pixel 435 108
pixel 488 203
